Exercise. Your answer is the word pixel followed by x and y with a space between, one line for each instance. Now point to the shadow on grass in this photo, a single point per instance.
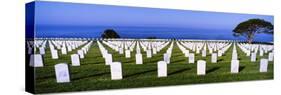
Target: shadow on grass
pixel 220 60
pixel 179 71
pixel 50 76
pixel 46 77
pixel 154 60
pixel 139 73
pixel 176 61
pixel 212 69
pixel 128 61
pixel 177 55
pixel 241 68
pixel 91 63
pixel 94 75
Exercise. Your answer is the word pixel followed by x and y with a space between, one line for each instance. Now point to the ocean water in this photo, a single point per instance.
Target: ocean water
pixel 144 32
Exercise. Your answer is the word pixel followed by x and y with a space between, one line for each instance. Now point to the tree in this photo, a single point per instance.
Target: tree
pixel 110 33
pixel 251 27
pixel 152 37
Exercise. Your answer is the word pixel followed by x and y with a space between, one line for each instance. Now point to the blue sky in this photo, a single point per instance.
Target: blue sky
pixel 54 14
pixel 72 14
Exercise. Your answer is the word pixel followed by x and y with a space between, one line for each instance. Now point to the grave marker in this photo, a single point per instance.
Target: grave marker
pixel 36 60
pixel 148 53
pixel 108 59
pixel 116 70
pixel 234 66
pixel 62 73
pixel 201 67
pixel 42 50
pixel 121 51
pixel 63 50
pixel 166 58
pixel 214 58
pixel 253 57
pixel 138 58
pixel 81 53
pixel 186 53
pixel 270 56
pixel 263 65
pixel 204 53
pixel 191 58
pixel 128 54
pixel 162 69
pixel 54 54
pixel 75 61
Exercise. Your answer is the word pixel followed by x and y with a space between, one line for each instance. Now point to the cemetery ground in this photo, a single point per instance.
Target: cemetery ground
pixel 93 74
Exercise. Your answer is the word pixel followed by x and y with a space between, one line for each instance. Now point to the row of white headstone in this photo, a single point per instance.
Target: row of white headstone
pixel 168 54
pixel 150 48
pixel 107 56
pixel 252 50
pixel 62 45
pixel 36 60
pixel 63 73
pixel 75 58
pixel 201 48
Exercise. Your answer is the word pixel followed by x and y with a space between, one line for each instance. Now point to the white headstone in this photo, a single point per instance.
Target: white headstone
pixel 197 51
pixel 75 61
pixel 162 69
pixel 138 50
pixel 261 52
pixel 248 53
pixel 36 60
pixel 138 58
pixel 214 58
pixel 121 51
pixel 234 66
pixel 154 51
pixel 30 50
pixel 81 53
pixel 69 48
pixel 42 50
pixel 253 57
pixel 108 59
pixel 62 73
pixel 104 52
pixel 219 53
pixel 263 65
pixel 148 53
pixel 210 50
pixel 191 58
pixel 63 50
pixel 54 54
pixel 166 58
pixel 116 70
pixel 234 56
pixel 204 53
pixel 270 56
pixel 128 54
pixel 186 53
pixel 201 67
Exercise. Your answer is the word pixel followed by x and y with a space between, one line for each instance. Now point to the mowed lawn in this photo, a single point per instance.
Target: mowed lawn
pixel 93 74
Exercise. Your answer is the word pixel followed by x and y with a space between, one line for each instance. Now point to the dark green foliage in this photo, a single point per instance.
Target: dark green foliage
pixel 110 33
pixel 250 27
pixel 152 37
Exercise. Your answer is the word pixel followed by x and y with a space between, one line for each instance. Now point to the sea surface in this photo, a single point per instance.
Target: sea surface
pixel 144 32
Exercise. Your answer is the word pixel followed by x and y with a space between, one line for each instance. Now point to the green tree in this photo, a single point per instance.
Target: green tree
pixel 109 33
pixel 152 37
pixel 251 27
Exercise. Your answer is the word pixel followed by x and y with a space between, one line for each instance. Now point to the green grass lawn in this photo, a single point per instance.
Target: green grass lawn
pixel 93 74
